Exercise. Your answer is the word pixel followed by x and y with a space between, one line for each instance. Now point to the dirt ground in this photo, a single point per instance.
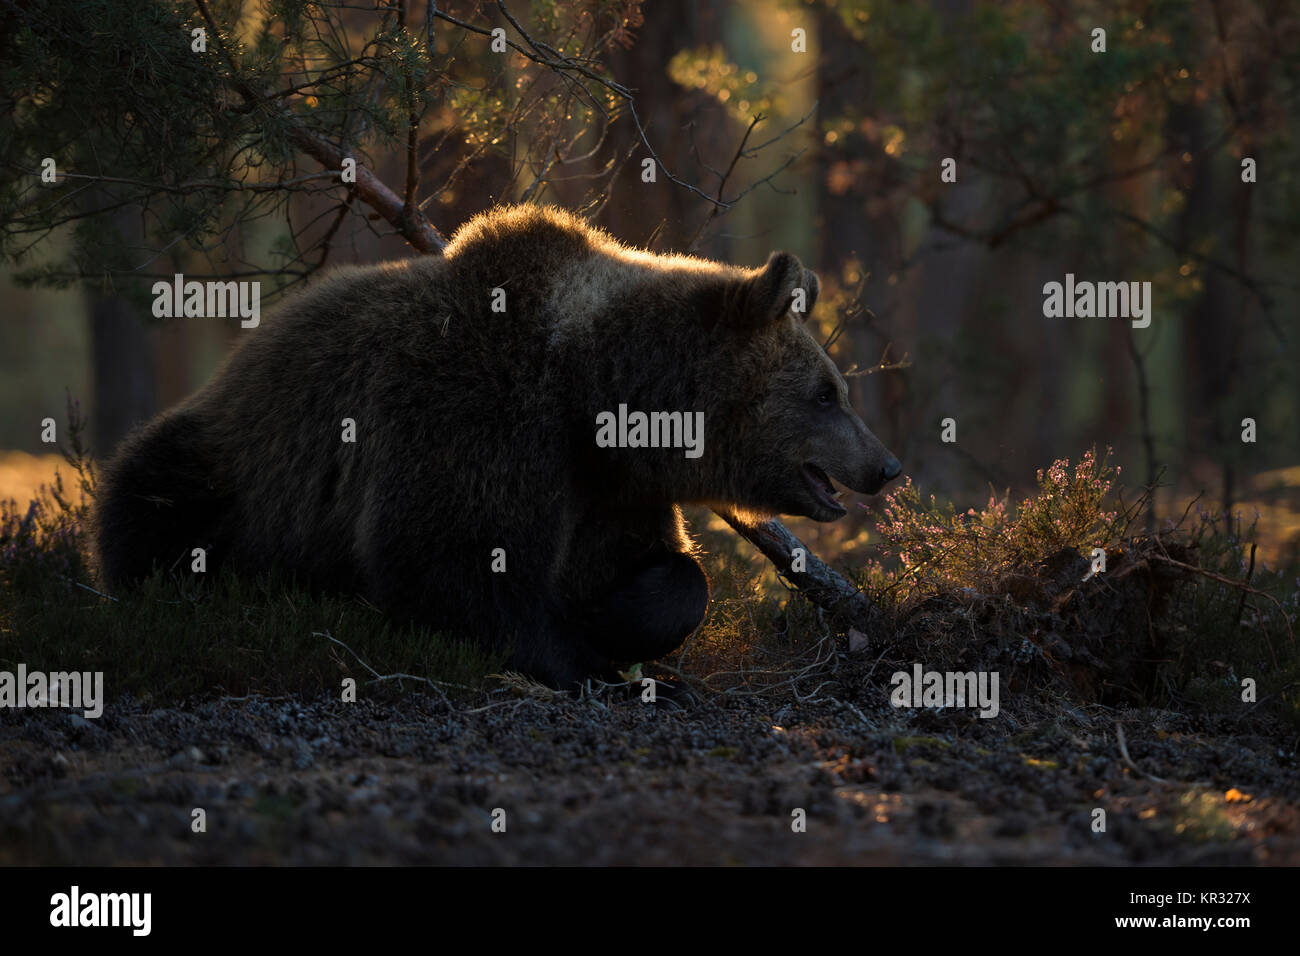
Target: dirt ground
pixel 414 780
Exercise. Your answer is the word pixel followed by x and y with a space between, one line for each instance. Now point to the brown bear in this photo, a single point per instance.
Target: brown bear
pixel 527 414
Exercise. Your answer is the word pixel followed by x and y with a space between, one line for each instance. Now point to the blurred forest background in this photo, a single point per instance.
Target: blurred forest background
pixel 816 127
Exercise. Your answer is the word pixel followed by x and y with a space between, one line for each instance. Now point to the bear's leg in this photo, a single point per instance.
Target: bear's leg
pixel 415 580
pixel 562 661
pixel 651 609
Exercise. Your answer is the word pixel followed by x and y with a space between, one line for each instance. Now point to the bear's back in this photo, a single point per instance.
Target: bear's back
pixel 420 363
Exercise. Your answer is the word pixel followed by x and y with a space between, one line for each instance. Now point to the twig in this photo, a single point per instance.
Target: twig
pixel 1223 579
pixel 1123 749
pixel 87 587
pixel 436 685
pixel 1241 605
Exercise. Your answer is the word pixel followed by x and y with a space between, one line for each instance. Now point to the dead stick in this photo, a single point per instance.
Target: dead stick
pixel 1241 605
pixel 821 583
pixel 1123 750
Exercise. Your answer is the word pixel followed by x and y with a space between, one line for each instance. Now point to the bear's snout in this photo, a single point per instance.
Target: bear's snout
pixel 880 475
pixel 870 460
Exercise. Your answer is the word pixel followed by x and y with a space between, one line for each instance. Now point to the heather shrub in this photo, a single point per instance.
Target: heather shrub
pixel 936 548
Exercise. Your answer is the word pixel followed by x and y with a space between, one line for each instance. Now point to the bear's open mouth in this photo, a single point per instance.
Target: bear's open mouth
pixel 822 489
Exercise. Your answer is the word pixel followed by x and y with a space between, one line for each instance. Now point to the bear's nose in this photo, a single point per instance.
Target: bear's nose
pixel 890 470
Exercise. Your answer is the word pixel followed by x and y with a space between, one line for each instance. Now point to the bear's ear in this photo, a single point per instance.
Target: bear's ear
pixel 781 285
pixel 811 286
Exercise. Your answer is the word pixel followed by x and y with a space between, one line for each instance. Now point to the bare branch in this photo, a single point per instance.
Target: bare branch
pixel 821 583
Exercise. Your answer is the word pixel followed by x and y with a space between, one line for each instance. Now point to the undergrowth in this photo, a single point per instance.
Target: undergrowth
pixel 170 640
pixel 940 549
pixel 1179 618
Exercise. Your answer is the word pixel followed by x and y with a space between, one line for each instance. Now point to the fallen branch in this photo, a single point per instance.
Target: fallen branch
pixel 818 581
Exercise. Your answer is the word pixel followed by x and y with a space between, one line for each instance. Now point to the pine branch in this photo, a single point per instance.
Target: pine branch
pixel 408 220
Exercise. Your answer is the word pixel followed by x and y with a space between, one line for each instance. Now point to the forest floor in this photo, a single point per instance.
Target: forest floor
pixel 1127 729
pixel 416 780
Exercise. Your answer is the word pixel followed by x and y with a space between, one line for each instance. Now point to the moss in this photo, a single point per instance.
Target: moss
pixel 903 744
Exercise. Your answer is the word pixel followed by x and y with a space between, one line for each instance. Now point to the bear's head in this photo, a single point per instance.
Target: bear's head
pixel 795 428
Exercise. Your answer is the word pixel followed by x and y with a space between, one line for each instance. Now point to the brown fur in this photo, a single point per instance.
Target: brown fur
pixel 475 431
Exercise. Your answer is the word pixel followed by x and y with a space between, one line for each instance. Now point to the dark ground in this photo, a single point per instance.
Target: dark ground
pixel 410 780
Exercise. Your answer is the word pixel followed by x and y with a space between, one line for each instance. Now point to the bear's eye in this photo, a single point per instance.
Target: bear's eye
pixel 826 397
